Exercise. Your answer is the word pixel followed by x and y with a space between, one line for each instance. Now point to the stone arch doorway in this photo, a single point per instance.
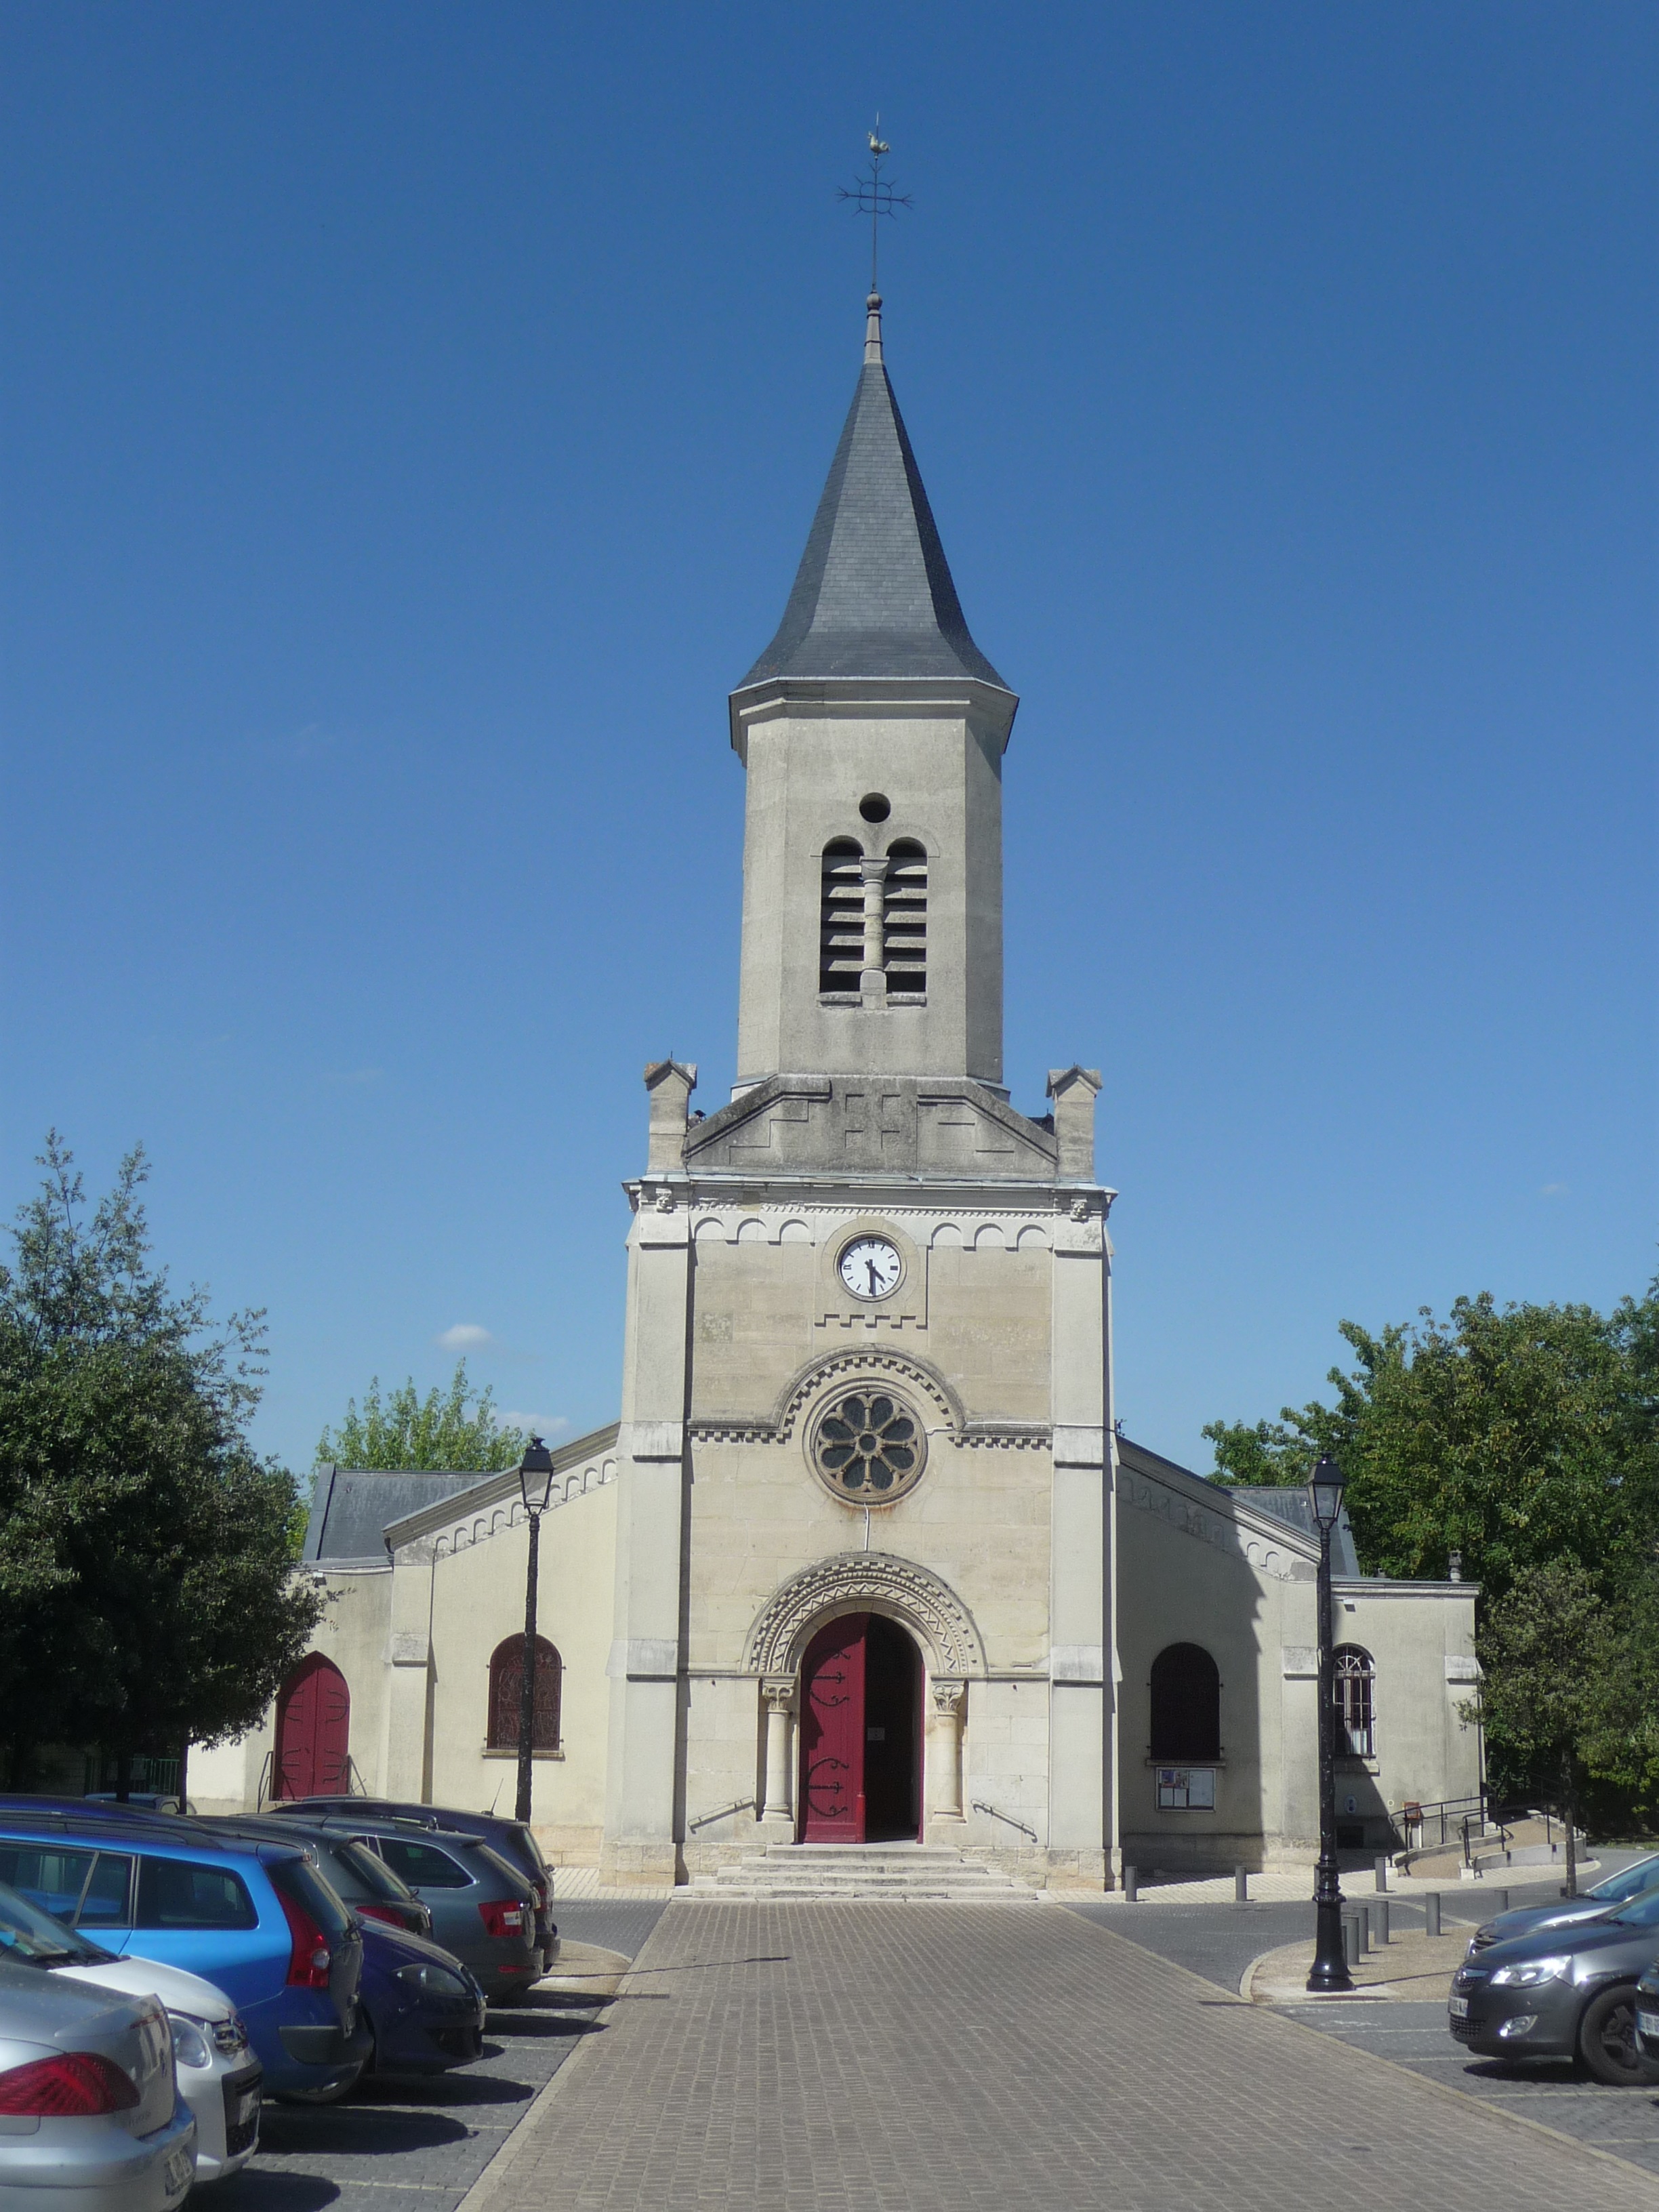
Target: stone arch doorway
pixel 860 1732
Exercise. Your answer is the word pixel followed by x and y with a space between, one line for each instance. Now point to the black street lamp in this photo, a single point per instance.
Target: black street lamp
pixel 1330 1966
pixel 536 1485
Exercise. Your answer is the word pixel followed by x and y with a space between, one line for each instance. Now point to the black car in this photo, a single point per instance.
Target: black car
pixel 1564 1993
pixel 357 1876
pixel 513 1840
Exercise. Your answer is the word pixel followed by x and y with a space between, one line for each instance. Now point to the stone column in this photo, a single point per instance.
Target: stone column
pixel 945 1701
pixel 874 979
pixel 778 1807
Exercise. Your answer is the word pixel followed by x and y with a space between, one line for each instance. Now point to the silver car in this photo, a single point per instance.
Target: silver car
pixel 219 2077
pixel 90 2116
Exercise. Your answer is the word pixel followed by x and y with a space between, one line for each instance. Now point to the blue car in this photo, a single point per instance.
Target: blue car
pixel 256 1919
pixel 424 2010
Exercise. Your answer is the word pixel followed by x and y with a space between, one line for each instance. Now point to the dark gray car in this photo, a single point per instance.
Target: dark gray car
pixel 484 1910
pixel 1564 1993
pixel 514 1839
pixel 1631 1882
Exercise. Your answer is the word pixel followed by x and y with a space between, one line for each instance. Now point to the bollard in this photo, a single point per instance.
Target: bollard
pixel 1241 1886
pixel 1131 1885
pixel 1431 1913
pixel 1380 1921
pixel 1500 1902
pixel 1364 1929
pixel 1382 1873
pixel 1351 1938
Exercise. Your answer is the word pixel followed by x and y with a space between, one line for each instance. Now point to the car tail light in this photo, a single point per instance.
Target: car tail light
pixel 395 1916
pixel 502 1916
pixel 540 1888
pixel 75 2084
pixel 310 1958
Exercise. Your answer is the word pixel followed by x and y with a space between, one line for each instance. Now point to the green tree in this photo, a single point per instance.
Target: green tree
pixel 147 1595
pixel 438 1431
pixel 1518 1438
pixel 1558 1699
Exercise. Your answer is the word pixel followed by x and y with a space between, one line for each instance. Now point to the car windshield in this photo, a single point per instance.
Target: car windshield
pixel 1633 1881
pixel 1641 1912
pixel 34 1938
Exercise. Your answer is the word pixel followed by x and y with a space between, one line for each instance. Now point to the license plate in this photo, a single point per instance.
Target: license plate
pixel 179 2172
pixel 1647 2023
pixel 1460 2008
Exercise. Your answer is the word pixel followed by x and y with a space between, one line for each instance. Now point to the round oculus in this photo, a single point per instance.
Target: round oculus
pixel 871 1267
pixel 868 1447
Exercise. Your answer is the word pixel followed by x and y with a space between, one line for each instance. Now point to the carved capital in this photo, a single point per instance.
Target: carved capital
pixel 948 1698
pixel 779 1692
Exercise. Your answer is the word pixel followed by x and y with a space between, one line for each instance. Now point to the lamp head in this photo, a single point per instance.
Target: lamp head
pixel 1325 1487
pixel 536 1476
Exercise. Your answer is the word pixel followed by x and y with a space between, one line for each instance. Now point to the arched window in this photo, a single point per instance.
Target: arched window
pixel 506 1674
pixel 314 1731
pixel 904 918
pixel 1355 1687
pixel 1186 1703
pixel 841 918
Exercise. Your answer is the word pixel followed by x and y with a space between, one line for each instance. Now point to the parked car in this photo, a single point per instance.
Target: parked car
pixel 1634 1881
pixel 424 2007
pixel 219 2078
pixel 484 1910
pixel 256 1919
pixel 514 1839
pixel 1564 1993
pixel 358 1876
pixel 90 2116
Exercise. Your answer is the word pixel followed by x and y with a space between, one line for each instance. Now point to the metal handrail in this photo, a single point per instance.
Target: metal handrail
pixel 980 1806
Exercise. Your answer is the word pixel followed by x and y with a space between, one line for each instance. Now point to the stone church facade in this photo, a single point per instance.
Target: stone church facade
pixel 865 1557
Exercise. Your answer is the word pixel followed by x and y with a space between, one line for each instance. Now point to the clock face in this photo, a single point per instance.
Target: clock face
pixel 871 1267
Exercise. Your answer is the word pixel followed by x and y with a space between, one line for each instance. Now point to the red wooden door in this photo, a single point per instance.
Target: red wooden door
pixel 832 1733
pixel 313 1730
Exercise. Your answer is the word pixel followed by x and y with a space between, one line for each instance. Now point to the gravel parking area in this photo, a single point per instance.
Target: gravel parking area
pixel 418 2143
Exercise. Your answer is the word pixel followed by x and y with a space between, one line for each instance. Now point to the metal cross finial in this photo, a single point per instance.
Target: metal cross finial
pixel 872 196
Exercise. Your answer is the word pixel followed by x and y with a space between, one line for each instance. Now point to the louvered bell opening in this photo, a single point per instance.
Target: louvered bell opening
pixel 841 925
pixel 904 920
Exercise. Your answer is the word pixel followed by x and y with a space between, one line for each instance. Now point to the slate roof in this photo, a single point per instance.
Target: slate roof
pixel 873 595
pixel 352 1506
pixel 1292 1505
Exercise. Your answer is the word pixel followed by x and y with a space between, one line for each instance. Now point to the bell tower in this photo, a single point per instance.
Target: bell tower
pixel 871 731
pixel 866 1418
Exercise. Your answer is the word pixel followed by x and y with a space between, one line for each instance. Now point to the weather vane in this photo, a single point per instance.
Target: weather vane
pixel 870 196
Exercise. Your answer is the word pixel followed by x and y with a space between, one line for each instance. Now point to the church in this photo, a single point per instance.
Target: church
pixel 864 1558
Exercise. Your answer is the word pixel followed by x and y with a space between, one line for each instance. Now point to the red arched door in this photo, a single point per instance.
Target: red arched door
pixel 832 1733
pixel 313 1730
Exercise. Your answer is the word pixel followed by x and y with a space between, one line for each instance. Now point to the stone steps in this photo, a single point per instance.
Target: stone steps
pixel 919 1874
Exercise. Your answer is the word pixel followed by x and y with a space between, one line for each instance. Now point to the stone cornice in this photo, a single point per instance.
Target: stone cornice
pixel 495 1491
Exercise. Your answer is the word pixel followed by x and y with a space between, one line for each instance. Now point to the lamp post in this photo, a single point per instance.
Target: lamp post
pixel 1330 1967
pixel 536 1487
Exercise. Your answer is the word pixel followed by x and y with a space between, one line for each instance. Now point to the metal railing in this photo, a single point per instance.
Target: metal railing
pixel 996 1814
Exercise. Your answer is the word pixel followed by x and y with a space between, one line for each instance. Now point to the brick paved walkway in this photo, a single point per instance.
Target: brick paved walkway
pixel 856 2057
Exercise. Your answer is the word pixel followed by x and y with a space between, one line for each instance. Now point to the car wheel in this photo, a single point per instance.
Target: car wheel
pixel 1606 2041
pixel 332 2091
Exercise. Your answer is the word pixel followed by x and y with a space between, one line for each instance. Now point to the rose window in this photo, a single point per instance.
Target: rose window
pixel 868 1445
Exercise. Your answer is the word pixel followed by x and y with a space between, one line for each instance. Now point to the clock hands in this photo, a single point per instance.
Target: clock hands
pixel 875 1287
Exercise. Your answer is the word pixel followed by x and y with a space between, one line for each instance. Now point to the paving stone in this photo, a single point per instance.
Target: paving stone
pixel 835 2057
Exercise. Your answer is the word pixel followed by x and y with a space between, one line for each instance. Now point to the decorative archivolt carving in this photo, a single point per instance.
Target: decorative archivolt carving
pixel 856 1581
pixel 576 1482
pixel 845 1366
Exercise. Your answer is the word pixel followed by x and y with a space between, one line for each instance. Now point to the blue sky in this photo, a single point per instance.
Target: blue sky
pixel 413 416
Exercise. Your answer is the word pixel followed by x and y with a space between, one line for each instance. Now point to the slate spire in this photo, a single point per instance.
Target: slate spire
pixel 873 595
